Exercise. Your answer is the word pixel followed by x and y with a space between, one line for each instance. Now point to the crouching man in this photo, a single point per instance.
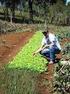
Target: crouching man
pixel 50 46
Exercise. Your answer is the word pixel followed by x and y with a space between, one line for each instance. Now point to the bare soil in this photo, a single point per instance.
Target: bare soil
pixel 11 43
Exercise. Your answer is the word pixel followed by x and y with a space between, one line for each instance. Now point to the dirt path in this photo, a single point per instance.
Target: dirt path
pixel 11 43
pixel 45 81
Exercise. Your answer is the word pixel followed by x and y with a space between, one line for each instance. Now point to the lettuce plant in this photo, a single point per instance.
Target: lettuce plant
pixel 25 59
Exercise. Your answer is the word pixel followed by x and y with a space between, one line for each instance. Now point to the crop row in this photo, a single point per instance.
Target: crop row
pixel 25 59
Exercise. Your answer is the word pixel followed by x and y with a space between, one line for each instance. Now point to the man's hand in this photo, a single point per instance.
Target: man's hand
pixel 34 53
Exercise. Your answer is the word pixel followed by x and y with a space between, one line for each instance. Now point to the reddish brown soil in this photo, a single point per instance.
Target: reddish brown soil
pixel 65 40
pixel 11 43
pixel 45 81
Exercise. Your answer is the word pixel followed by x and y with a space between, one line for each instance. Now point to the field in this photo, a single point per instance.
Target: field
pixel 22 73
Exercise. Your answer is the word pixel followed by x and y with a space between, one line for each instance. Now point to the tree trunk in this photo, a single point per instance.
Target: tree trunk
pixel 45 9
pixel 11 16
pixel 12 12
pixel 6 13
pixel 67 20
pixel 30 2
pixel 21 8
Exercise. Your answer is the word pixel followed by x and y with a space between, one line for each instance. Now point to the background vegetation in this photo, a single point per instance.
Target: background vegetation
pixel 35 11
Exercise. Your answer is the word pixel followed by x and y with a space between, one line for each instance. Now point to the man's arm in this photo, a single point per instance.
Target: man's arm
pixel 45 46
pixel 40 49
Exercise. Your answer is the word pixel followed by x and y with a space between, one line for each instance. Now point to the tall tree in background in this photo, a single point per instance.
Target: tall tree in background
pixel 30 3
pixel 13 5
pixel 10 5
pixel 51 11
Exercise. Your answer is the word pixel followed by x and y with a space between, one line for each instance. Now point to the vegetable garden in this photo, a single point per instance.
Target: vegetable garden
pixel 24 72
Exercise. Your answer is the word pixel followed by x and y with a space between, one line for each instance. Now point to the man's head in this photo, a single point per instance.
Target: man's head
pixel 46 32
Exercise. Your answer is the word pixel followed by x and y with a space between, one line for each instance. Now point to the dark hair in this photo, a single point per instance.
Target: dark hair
pixel 46 31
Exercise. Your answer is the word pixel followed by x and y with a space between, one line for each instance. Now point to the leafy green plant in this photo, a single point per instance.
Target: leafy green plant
pixel 62 80
pixel 25 59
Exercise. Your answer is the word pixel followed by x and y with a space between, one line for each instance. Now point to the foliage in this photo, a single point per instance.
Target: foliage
pixel 62 80
pixel 62 35
pixel 51 11
pixel 59 14
pixel 18 81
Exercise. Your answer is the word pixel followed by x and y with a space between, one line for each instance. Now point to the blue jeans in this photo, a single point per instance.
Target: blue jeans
pixel 50 52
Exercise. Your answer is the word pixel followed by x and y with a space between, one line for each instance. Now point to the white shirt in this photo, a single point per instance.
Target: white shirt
pixel 51 40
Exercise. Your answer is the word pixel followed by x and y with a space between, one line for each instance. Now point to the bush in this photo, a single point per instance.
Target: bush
pixel 62 80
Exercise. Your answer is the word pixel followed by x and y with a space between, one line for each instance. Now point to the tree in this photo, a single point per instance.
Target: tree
pixel 30 3
pixel 10 5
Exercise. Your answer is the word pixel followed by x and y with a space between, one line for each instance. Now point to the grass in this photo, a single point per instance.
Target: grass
pixel 18 81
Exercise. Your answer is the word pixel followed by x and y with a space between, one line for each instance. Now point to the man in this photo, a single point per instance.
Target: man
pixel 49 46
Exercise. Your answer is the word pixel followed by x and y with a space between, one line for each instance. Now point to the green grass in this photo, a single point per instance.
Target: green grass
pixel 18 81
pixel 25 59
